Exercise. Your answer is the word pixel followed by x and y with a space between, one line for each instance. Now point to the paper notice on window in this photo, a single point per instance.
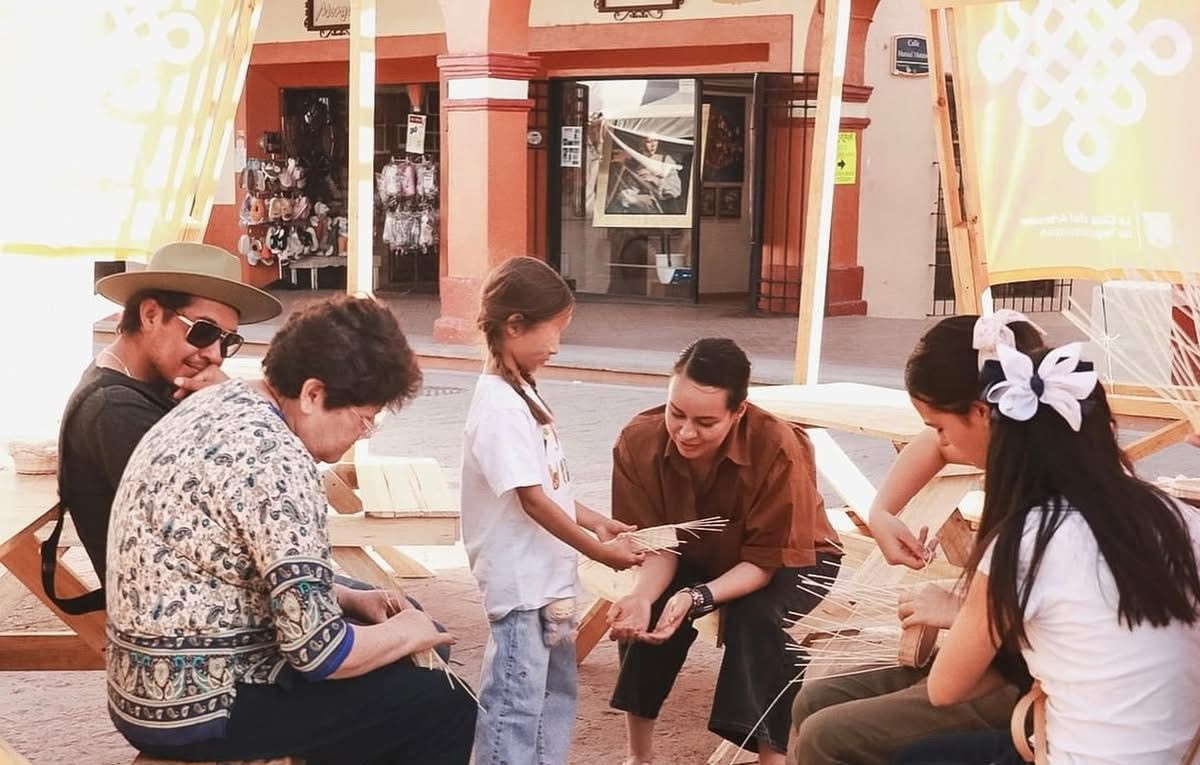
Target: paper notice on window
pixel 414 142
pixel 571 154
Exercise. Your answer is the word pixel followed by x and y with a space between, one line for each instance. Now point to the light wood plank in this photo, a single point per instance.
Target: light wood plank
pixel 409 529
pixel 360 202
pixel 339 494
pixel 592 628
pixel 10 756
pixel 356 563
pixel 1166 436
pixel 818 219
pixel 23 560
pixel 403 484
pixel 835 467
pixel 43 651
pixel 402 565
pixel 871 410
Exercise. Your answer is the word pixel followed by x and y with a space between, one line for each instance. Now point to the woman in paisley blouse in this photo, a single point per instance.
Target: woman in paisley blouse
pixel 228 638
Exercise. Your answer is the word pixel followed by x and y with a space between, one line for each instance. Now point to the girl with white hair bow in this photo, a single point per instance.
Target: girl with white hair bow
pixel 1085 570
pixel 839 719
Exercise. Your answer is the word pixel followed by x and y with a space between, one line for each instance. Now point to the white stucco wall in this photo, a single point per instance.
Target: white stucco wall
pixel 899 190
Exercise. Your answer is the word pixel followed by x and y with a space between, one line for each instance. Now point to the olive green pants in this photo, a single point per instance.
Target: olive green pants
pixel 865 719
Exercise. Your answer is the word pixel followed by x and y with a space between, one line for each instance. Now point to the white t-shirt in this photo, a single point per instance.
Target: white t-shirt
pixel 518 564
pixel 1115 696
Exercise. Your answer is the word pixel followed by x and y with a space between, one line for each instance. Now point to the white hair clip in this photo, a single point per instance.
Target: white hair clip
pixel 992 331
pixel 1060 382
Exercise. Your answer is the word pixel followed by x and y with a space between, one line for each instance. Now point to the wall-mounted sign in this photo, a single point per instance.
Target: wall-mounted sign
pixel 910 55
pixel 414 140
pixel 636 9
pixel 329 17
pixel 845 169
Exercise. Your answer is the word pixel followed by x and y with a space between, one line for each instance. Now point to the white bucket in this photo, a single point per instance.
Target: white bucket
pixel 666 264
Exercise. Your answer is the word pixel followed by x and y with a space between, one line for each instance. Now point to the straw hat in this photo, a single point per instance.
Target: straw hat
pixel 200 270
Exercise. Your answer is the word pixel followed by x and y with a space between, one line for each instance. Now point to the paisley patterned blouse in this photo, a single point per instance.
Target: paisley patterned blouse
pixel 218 568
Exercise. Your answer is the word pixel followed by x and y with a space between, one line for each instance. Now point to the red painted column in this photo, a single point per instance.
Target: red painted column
pixel 844 288
pixel 485 86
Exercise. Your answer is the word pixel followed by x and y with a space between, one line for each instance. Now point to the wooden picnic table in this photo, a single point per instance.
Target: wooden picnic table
pixel 851 407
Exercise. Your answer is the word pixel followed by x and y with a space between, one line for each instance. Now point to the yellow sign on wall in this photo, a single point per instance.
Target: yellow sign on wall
pixel 846 164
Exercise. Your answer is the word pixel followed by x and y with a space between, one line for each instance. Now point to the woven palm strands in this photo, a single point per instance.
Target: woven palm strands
pixel 1146 331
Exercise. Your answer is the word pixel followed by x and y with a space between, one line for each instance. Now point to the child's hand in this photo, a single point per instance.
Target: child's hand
pixel 928 605
pixel 629 618
pixel 620 553
pixel 610 529
pixel 897 542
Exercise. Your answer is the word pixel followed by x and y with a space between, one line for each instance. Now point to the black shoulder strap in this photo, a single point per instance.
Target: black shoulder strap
pixel 86 603
pixel 94 600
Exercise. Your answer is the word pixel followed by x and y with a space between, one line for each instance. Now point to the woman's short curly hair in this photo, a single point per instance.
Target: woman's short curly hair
pixel 353 345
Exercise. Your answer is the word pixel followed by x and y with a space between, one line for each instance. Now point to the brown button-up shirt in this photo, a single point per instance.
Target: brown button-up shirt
pixel 764 482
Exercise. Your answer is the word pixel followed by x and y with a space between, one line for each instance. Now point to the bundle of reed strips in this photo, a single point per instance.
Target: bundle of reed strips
pixel 1146 328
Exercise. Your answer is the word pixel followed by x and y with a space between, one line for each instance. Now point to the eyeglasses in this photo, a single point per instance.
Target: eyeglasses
pixel 203 333
pixel 370 425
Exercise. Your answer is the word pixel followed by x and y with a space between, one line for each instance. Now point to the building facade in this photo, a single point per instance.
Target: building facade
pixel 661 158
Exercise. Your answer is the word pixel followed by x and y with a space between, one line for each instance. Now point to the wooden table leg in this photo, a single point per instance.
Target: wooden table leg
pixel 23 560
pixel 356 563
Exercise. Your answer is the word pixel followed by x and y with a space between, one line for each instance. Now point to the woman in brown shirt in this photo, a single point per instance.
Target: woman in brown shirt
pixel 708 452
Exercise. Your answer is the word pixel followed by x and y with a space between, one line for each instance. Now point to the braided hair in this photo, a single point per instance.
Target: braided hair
pixel 521 291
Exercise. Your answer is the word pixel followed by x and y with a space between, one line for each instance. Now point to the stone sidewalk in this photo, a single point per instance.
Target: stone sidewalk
pixel 644 338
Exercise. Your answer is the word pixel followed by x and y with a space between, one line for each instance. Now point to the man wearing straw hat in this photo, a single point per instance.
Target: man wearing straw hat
pixel 179 323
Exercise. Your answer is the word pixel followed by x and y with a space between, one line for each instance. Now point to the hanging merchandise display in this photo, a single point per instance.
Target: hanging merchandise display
pixel 282 222
pixel 408 193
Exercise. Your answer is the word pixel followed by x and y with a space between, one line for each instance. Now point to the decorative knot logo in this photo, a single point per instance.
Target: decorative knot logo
pixel 1082 57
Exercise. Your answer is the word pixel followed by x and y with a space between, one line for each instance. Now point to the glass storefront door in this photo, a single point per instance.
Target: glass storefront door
pixel 626 187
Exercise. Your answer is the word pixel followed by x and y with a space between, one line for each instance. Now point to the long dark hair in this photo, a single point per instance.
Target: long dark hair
pixel 943 369
pixel 532 292
pixel 1141 532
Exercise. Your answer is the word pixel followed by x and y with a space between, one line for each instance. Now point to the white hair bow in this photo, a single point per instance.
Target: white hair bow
pixel 992 331
pixel 1056 383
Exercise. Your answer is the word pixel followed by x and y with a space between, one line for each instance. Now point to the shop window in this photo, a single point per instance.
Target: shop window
pixel 628 161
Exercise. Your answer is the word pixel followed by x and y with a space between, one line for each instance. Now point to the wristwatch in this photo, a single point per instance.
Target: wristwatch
pixel 702 601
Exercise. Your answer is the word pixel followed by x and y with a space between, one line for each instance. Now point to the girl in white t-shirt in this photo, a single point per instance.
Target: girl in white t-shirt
pixel 522 526
pixel 1087 571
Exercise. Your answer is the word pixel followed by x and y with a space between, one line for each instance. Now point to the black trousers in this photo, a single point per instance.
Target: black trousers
pixel 394 715
pixel 757 669
pixel 976 748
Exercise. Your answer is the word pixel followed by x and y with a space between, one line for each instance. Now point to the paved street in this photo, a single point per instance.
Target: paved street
pixel 590 415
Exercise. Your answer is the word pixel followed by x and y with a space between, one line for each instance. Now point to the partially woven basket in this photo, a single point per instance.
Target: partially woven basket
pixel 34 457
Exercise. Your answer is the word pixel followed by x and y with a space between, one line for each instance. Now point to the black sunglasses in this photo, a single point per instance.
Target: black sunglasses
pixel 203 333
